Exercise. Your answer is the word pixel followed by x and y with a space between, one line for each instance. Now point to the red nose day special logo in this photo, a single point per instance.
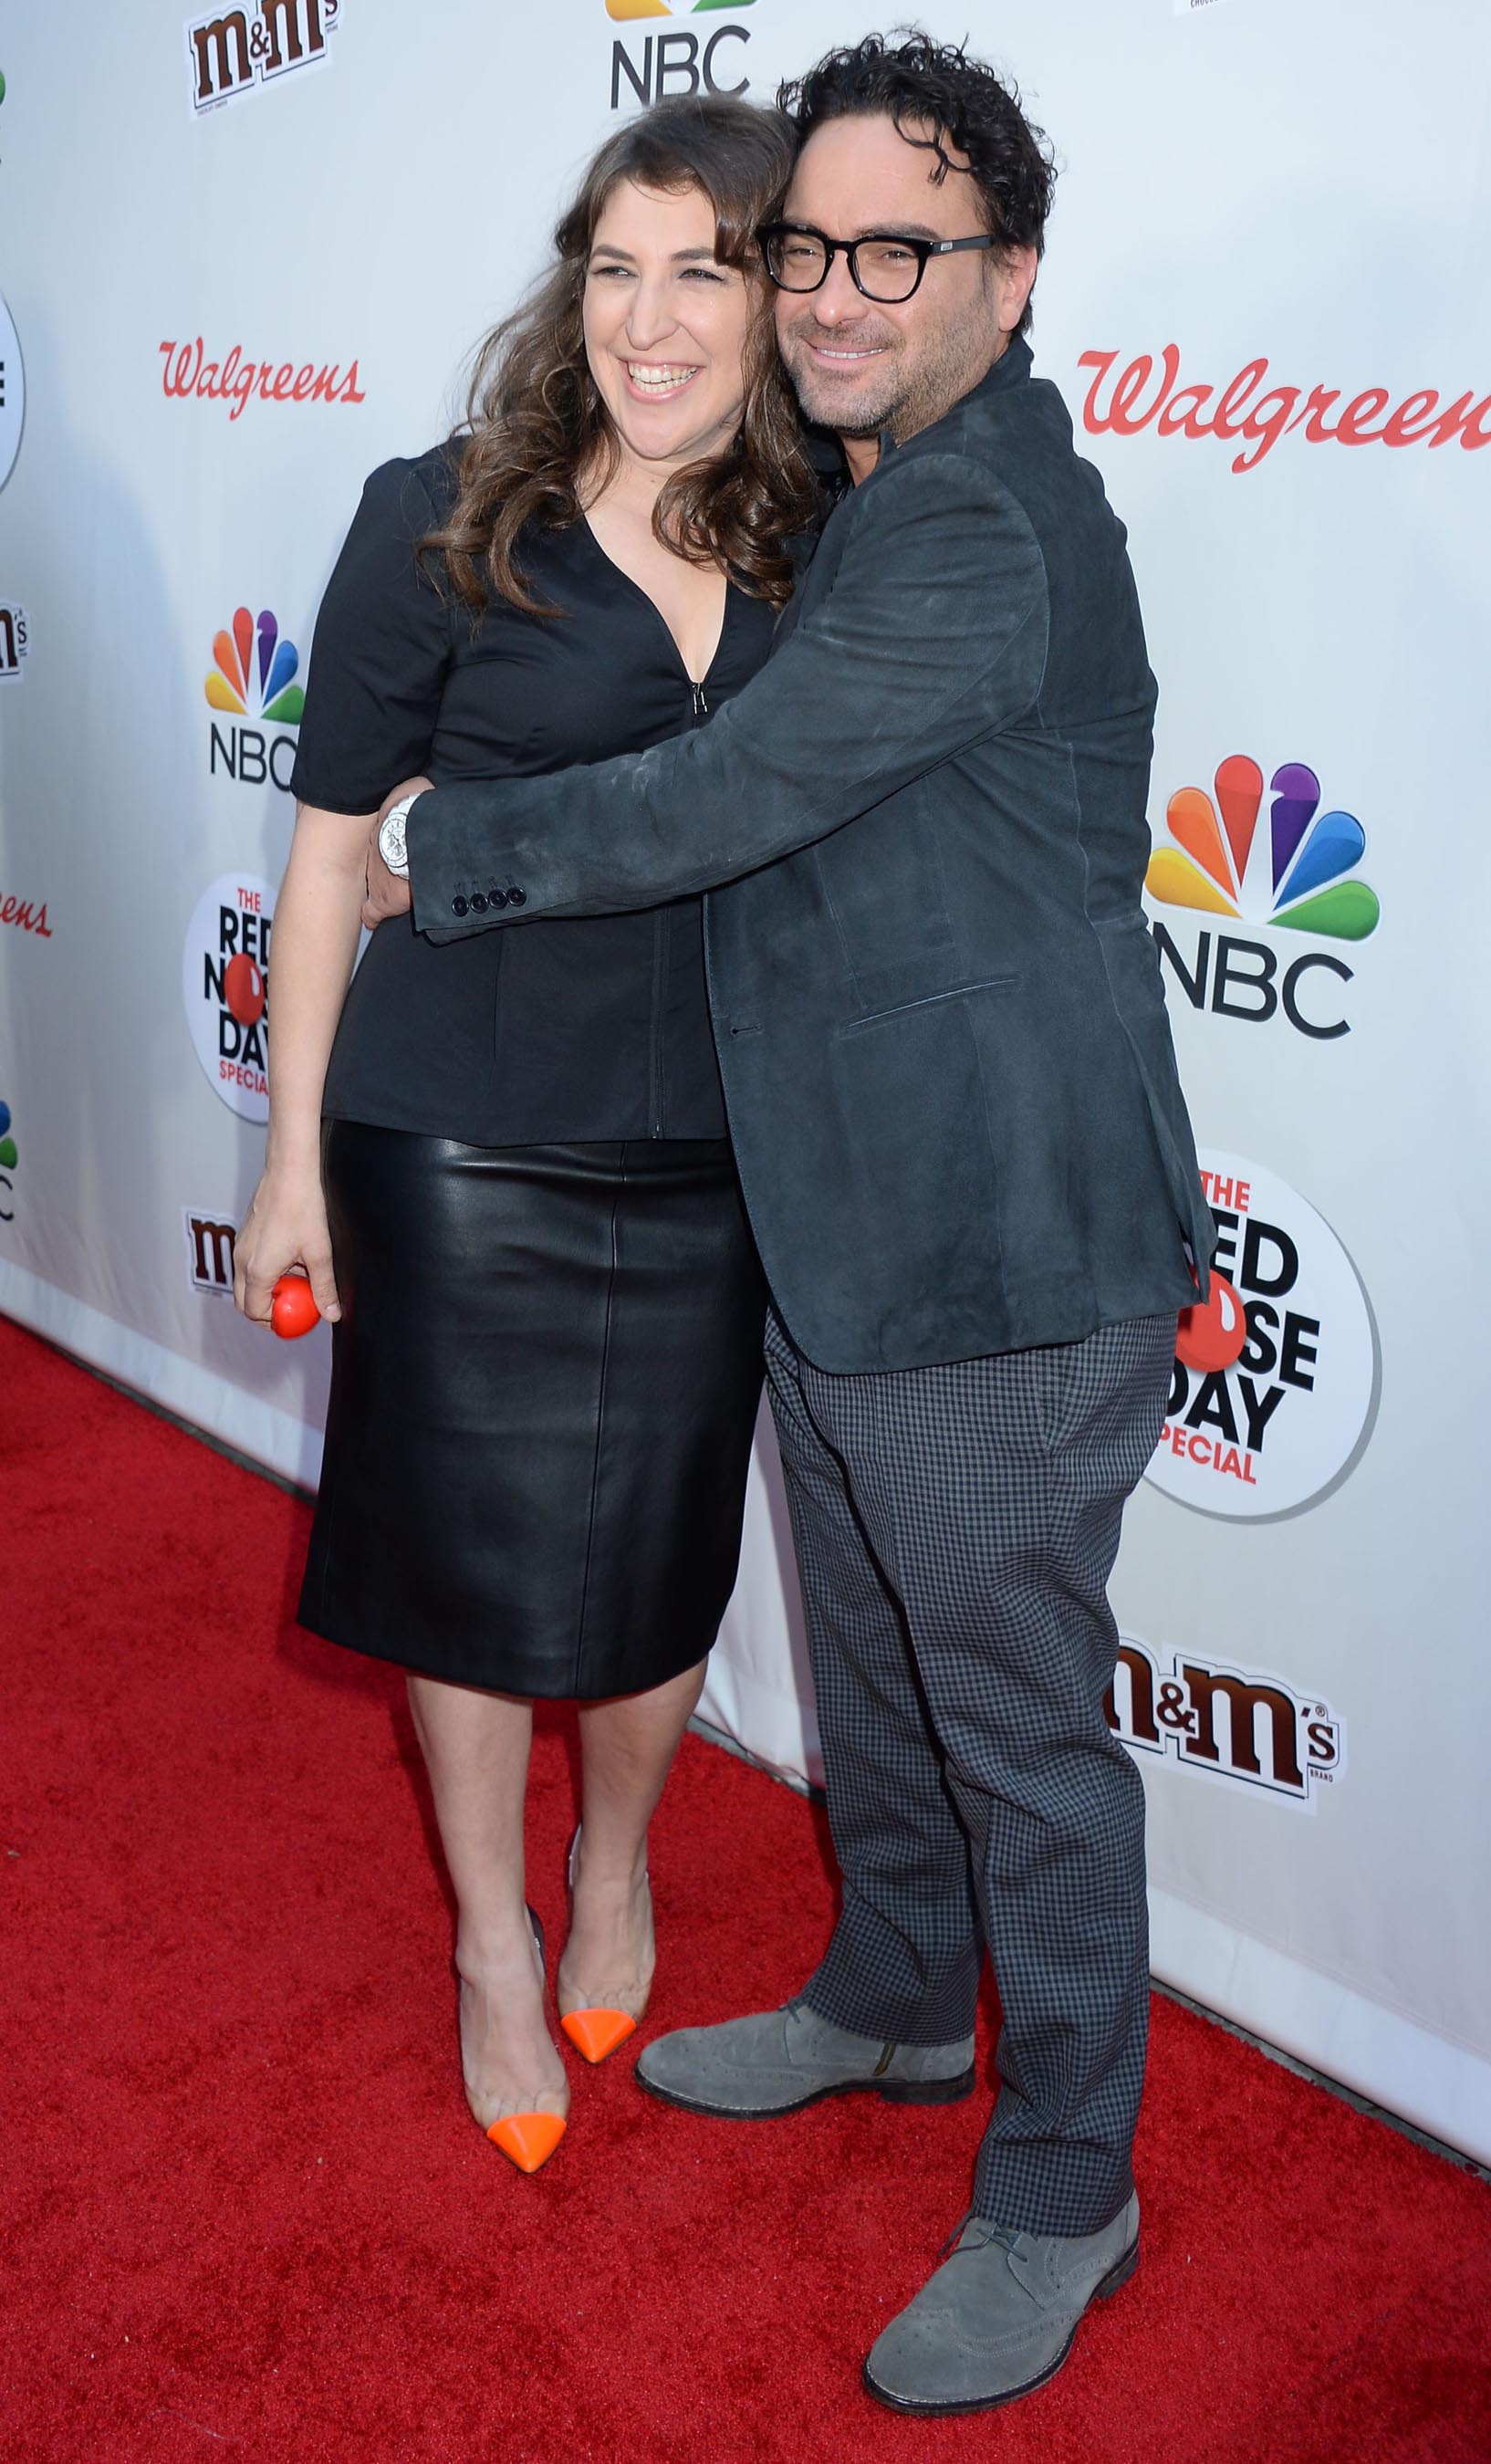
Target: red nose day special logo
pixel 253 677
pixel 708 62
pixel 1298 876
pixel 225 987
pixel 1274 1387
pixel 239 49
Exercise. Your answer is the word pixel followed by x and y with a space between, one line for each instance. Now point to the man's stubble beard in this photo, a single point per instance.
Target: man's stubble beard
pixel 950 364
pixel 873 408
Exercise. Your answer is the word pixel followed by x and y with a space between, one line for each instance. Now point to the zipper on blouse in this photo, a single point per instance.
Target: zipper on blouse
pixel 701 708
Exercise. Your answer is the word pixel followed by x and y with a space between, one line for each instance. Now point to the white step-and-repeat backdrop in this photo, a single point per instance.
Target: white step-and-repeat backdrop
pixel 244 257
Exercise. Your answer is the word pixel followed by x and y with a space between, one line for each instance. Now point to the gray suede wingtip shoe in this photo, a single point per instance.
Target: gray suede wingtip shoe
pixel 997 2318
pixel 777 2061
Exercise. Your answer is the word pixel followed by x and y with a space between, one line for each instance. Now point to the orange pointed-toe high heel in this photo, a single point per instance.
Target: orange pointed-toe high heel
pixel 594 2031
pixel 528 2139
pixel 597 2033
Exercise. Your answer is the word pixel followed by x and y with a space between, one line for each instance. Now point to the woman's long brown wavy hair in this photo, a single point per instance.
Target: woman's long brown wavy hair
pixel 537 430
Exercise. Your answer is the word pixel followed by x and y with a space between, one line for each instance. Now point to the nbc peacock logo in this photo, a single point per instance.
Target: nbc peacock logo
pixel 1298 876
pixel 624 10
pixel 1310 854
pixel 239 675
pixel 252 684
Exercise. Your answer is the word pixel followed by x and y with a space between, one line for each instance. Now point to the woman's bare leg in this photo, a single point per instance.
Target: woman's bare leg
pixel 476 1748
pixel 628 1747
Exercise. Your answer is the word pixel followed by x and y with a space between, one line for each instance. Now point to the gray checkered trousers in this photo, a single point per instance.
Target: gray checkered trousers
pixel 955 1529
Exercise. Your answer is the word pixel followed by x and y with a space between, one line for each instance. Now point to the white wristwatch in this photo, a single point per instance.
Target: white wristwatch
pixel 392 838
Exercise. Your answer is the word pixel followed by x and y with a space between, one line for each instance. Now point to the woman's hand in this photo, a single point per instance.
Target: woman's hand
pixel 285 1231
pixel 386 893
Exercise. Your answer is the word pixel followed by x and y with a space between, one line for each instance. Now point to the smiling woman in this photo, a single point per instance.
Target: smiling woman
pixel 504 1167
pixel 548 434
pixel 666 328
pixel 644 293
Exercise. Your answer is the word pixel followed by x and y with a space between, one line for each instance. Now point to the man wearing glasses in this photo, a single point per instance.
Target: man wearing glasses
pixel 968 1165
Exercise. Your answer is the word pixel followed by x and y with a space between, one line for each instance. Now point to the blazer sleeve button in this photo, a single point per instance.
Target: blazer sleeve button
pixel 497 897
pixel 478 903
pixel 458 906
pixel 517 897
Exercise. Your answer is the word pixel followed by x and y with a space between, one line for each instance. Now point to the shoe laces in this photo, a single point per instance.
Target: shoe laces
pixel 1006 2238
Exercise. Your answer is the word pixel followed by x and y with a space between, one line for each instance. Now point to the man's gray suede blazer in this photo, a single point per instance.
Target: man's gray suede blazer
pixel 947 1062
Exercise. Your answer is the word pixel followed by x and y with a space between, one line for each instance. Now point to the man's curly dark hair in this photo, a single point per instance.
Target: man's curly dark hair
pixel 923 86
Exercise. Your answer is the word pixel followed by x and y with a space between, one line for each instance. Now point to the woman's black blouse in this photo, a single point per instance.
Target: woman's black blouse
pixel 554 1031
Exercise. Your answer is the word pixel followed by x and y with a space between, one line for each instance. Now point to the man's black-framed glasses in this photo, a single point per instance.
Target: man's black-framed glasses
pixel 887 266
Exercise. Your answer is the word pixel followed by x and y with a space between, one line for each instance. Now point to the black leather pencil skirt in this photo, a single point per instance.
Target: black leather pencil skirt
pixel 543 1390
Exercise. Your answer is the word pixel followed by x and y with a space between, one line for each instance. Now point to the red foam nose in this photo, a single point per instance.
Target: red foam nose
pixel 1212 1334
pixel 292 1310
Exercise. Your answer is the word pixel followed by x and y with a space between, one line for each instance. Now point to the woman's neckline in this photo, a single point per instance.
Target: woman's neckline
pixel 645 595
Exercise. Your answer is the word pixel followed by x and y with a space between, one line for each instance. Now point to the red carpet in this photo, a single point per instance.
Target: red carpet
pixel 246 2212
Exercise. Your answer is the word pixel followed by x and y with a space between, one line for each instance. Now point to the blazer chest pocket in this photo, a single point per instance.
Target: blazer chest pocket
pixel 920 1003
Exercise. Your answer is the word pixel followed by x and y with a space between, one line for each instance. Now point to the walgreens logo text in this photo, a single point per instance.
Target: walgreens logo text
pixel 1143 395
pixel 187 372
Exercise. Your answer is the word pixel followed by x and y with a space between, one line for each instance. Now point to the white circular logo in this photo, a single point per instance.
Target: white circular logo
pixel 13 394
pixel 1275 1378
pixel 224 985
